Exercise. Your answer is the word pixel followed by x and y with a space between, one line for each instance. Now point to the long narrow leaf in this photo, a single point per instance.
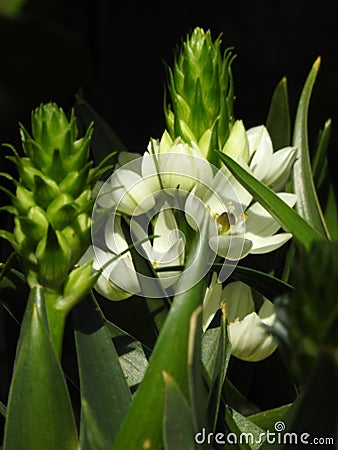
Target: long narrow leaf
pixel 223 353
pixel 268 285
pixel 320 164
pixel 105 395
pixel 307 201
pixel 278 120
pixel 303 233
pixel 39 412
pixel 177 425
pixel 197 388
pixel 143 424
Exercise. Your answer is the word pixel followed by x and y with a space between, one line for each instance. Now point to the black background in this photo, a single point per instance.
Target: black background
pixel 116 53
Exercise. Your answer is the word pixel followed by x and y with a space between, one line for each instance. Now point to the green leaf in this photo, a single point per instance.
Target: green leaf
pixel 278 120
pixel 331 213
pixel 133 355
pixel 159 305
pixel 177 424
pixel 268 285
pixel 3 409
pixel 222 357
pixel 307 201
pixel 304 234
pixel 249 435
pixel 314 413
pixel 267 419
pixel 317 410
pixel 170 354
pixel 320 164
pixel 197 389
pixel 105 396
pixel 38 386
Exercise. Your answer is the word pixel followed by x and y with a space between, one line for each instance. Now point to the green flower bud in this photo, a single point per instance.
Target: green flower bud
pixel 61 211
pixel 54 256
pixel 201 91
pixel 53 200
pixel 79 282
pixel 77 236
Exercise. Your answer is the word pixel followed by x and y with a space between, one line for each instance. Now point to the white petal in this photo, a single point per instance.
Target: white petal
pixel 114 236
pixel 249 339
pixel 281 165
pixel 267 312
pixel 230 247
pixel 260 146
pixel 237 145
pixel 211 302
pixel 131 193
pixel 239 301
pixel 149 169
pixel 268 244
pixel 194 209
pixel 166 229
pixel 260 222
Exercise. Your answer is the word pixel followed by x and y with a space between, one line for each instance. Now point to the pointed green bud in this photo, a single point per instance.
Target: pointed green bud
pixel 61 211
pixel 24 200
pixel 53 255
pixel 45 190
pixel 51 129
pixel 34 225
pixel 77 236
pixel 201 90
pixel 75 182
pixel 78 284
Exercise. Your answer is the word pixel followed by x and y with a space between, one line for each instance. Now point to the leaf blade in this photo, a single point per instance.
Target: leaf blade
pixel 40 389
pixel 288 218
pixel 307 201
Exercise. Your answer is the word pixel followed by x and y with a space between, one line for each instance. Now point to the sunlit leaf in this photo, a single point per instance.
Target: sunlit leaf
pixel 145 415
pixel 38 387
pixel 288 218
pixel 177 424
pixel 307 201
pixel 105 396
pixel 278 120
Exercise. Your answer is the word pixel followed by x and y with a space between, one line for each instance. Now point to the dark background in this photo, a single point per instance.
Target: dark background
pixel 115 53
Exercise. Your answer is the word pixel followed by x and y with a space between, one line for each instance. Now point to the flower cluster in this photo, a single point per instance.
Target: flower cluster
pixel 168 189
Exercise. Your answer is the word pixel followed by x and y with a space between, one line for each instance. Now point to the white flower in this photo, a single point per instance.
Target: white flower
pixel 254 147
pixel 241 228
pixel 179 165
pixel 249 338
pixel 119 279
pixel 129 189
pixel 168 246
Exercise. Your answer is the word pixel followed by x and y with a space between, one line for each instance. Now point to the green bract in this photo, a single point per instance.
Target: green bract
pixel 53 199
pixel 201 92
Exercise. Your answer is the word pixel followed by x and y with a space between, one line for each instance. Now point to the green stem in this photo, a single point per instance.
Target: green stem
pixel 56 320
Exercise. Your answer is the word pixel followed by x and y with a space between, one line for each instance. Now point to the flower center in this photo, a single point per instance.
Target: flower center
pixel 229 221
